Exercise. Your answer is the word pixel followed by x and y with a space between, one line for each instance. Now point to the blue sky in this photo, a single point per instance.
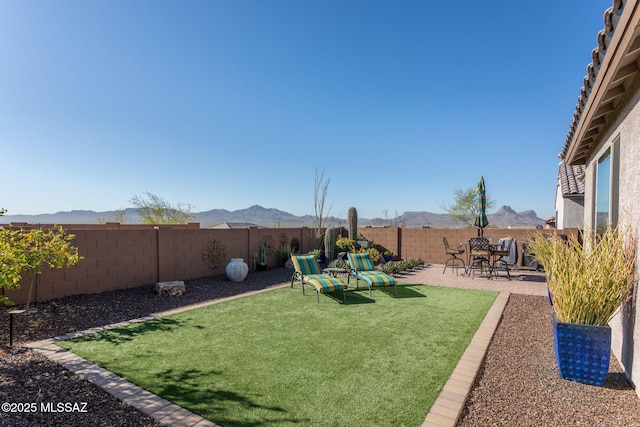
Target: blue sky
pixel 227 104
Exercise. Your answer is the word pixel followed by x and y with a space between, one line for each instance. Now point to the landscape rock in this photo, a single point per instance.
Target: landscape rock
pixel 173 288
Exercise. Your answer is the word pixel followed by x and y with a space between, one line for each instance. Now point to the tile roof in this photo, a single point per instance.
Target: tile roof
pixel 614 64
pixel 571 179
pixel 235 225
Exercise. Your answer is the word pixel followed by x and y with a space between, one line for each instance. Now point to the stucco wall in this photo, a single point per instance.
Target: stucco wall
pixel 626 325
pixel 569 211
pixel 573 214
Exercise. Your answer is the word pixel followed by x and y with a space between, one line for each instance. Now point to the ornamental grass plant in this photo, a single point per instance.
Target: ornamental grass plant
pixel 588 281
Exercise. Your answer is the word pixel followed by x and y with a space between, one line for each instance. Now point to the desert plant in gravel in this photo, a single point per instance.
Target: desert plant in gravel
pixel 374 254
pixel 344 244
pixel 390 268
pixel 330 244
pixel 397 267
pixel 285 252
pixel 337 263
pixel 28 251
pixel 353 223
pixel 588 281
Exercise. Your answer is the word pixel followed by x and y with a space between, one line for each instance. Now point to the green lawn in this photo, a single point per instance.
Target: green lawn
pixel 279 358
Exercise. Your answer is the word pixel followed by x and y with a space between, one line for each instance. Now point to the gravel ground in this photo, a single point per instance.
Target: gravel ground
pixel 518 385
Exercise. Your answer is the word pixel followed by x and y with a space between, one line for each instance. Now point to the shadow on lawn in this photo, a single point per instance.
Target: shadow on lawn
pixel 127 333
pixel 406 291
pixel 361 296
pixel 356 297
pixel 196 391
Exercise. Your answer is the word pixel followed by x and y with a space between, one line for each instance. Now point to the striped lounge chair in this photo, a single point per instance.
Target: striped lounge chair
pixel 309 273
pixel 362 269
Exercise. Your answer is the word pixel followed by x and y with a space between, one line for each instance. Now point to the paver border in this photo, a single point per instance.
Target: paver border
pixel 448 407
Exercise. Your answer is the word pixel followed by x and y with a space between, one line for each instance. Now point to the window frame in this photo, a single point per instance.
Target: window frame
pixel 609 183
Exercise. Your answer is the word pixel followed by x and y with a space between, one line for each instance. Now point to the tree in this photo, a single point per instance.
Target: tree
pixel 155 210
pixel 120 216
pixel 465 206
pixel 28 251
pixel 319 198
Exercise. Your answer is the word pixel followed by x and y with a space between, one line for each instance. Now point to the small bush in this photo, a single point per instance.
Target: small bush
pixel 343 244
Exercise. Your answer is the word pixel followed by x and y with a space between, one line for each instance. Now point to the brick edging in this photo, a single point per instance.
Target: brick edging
pixel 451 402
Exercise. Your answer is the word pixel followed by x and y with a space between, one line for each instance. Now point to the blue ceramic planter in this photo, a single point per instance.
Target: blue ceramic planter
pixel 582 351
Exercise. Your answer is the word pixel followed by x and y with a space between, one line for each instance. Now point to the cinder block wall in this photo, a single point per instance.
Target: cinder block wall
pixel 426 243
pixel 117 256
pixel 112 259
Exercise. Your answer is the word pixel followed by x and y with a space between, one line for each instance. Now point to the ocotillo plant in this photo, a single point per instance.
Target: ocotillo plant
pixel 330 244
pixel 353 224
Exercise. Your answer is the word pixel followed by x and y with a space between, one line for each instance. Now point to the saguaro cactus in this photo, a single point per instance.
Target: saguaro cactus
pixel 262 259
pixel 353 223
pixel 330 244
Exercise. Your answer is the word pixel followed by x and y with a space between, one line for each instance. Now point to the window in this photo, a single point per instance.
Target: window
pixel 606 188
pixel 603 191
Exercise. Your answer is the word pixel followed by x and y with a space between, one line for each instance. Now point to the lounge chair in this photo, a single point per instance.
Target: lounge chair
pixel 362 268
pixel 308 272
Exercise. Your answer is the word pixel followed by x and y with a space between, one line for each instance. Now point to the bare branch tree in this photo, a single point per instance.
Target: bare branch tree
pixel 119 215
pixel 319 199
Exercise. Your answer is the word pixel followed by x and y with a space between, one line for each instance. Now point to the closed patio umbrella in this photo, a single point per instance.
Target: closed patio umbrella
pixel 481 220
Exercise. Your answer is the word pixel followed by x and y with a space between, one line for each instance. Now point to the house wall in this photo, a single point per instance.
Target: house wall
pixel 626 325
pixel 123 257
pixel 569 211
pixel 573 214
pixel 559 207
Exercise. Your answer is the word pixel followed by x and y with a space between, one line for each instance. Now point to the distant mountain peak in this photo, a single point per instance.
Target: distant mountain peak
pixel 505 209
pixel 271 217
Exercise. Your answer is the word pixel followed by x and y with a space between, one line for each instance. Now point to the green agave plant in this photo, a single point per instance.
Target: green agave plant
pixel 337 263
pixel 396 267
pixel 285 252
pixel 588 281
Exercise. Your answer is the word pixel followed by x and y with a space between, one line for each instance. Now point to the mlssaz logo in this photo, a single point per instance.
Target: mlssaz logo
pixel 65 407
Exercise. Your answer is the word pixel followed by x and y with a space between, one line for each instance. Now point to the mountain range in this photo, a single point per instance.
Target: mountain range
pixel 504 217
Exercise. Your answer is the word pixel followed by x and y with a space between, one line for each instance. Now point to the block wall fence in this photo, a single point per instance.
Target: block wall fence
pixel 118 256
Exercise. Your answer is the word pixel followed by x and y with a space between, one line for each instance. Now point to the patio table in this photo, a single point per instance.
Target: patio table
pixel 493 246
pixel 333 272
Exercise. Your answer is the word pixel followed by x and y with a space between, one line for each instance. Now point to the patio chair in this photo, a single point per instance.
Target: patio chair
pixel 506 255
pixel 480 252
pixel 453 261
pixel 362 268
pixel 308 272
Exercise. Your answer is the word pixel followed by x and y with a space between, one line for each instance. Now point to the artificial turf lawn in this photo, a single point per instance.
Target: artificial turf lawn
pixel 279 358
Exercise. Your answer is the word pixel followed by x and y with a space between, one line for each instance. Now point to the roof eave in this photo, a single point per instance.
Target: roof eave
pixel 616 63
